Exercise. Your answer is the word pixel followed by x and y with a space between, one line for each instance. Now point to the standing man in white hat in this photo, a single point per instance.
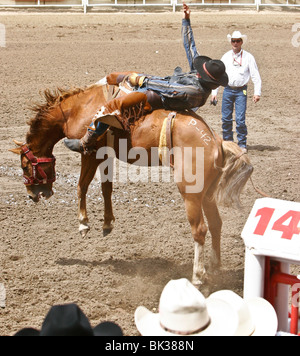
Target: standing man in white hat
pixel 240 67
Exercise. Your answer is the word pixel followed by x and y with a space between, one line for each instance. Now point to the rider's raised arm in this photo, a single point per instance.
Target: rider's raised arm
pixel 188 37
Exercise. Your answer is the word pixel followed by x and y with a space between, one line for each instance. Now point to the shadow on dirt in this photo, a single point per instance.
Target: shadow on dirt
pixel 164 269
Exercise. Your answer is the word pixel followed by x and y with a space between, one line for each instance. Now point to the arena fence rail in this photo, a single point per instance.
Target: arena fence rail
pixel 172 4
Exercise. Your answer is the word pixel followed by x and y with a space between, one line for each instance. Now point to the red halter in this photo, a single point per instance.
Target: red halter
pixel 36 168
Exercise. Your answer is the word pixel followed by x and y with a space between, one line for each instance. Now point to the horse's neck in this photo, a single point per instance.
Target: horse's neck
pixel 51 131
pixel 79 110
pixel 68 119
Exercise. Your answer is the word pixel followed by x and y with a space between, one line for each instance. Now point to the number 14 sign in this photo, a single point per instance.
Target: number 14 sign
pixel 273 229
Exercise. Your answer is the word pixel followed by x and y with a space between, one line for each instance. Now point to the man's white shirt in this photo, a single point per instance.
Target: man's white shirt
pixel 240 68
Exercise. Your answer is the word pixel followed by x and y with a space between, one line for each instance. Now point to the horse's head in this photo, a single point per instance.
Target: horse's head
pixel 38 172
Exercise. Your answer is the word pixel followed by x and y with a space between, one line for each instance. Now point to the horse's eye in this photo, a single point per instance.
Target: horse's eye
pixel 25 169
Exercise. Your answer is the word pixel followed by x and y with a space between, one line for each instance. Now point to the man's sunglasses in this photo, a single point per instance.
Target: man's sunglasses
pixel 236 41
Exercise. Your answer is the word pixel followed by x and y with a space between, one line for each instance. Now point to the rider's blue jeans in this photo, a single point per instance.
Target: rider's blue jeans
pixel 235 98
pixel 100 128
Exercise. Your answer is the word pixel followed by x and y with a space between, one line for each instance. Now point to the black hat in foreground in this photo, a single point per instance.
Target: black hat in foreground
pixel 69 320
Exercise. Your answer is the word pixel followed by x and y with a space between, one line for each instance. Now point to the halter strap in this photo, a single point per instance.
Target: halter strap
pixel 36 168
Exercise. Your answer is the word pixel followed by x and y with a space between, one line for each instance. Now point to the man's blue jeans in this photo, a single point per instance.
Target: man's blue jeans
pixel 237 98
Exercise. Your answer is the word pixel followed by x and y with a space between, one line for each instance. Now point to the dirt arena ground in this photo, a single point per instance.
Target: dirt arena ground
pixel 44 260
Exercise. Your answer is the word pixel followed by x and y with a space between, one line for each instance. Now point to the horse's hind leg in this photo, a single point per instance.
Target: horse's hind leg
pixel 193 206
pixel 215 225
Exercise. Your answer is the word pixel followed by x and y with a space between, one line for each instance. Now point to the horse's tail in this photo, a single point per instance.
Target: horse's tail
pixel 236 171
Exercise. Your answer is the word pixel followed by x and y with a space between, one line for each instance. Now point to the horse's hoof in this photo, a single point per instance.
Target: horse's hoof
pixel 83 233
pixel 84 229
pixel 214 267
pixel 107 231
pixel 214 270
pixel 199 280
pixel 214 264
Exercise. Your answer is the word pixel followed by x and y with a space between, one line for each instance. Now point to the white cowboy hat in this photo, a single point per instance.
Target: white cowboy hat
pixel 257 317
pixel 236 35
pixel 183 310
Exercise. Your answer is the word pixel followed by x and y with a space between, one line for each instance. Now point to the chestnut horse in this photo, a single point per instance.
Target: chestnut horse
pixel 224 170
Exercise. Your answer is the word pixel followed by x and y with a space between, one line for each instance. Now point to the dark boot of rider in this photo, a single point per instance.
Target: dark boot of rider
pixel 88 142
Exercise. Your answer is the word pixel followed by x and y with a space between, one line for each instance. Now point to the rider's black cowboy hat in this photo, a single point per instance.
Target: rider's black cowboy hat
pixel 211 70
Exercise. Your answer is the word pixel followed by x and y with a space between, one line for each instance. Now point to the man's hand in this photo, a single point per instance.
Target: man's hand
pixel 213 100
pixel 256 98
pixel 186 11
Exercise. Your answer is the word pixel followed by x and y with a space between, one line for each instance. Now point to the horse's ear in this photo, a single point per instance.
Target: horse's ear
pixel 18 143
pixel 17 150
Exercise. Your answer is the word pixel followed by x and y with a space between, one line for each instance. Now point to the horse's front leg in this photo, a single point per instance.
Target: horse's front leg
pixel 106 171
pixel 89 165
pixel 107 188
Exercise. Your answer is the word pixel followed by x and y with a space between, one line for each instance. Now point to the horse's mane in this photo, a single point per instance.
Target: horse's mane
pixel 42 119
